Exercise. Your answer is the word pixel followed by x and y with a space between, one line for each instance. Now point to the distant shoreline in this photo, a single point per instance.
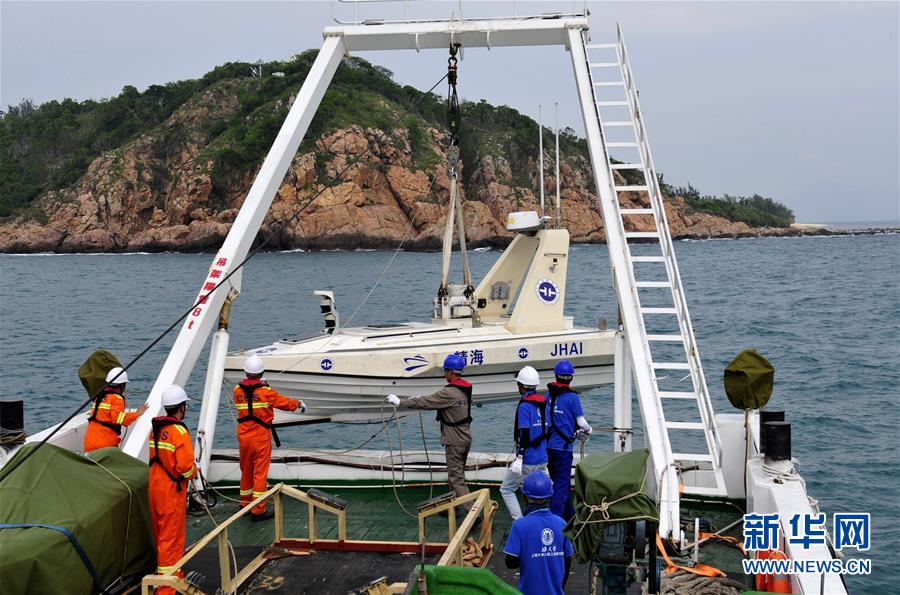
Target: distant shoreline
pixel 857 226
pixel 799 230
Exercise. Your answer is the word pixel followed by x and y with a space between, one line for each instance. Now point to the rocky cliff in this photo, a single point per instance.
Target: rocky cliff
pixel 158 192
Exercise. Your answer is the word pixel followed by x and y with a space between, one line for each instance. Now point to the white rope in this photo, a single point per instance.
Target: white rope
pixel 215 524
pixel 447 244
pixel 391 450
pixel 427 457
pixel 461 233
pixel 603 509
pixel 371 291
pixel 228 403
pixel 782 471
pixel 409 228
pixel 130 499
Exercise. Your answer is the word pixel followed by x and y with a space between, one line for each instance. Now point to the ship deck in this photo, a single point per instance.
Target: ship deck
pixel 373 514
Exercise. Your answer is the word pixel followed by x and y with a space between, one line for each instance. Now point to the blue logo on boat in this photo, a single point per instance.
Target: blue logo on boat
pixel 547 291
pixel 523 353
pixel 414 363
pixel 326 364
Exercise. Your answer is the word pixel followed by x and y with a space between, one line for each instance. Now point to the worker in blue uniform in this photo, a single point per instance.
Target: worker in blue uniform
pixel 530 436
pixel 536 544
pixel 565 414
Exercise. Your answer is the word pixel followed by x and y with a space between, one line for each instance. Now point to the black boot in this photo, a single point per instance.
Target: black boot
pixel 258 518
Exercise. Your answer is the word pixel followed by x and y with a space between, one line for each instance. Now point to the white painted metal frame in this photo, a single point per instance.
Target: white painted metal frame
pixel 470 34
pixel 662 234
pixel 209 409
pixel 196 328
pixel 339 41
pixel 622 397
pixel 457 15
pixel 692 351
pixel 623 279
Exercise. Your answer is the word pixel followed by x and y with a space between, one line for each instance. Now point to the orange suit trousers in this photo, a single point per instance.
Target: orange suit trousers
pixel 168 507
pixel 255 455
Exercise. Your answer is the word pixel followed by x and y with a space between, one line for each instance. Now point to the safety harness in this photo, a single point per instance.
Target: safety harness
pixel 248 391
pixel 158 424
pixel 539 401
pixel 556 390
pixel 97 402
pixel 466 388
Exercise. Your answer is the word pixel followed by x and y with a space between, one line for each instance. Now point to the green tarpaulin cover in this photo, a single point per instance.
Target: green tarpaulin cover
pixel 92 372
pixel 456 580
pixel 609 487
pixel 100 500
pixel 749 379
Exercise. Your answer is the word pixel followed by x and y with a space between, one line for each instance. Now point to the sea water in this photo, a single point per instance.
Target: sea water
pixel 824 310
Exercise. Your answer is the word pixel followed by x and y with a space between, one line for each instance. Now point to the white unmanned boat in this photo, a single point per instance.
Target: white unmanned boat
pixel 515 316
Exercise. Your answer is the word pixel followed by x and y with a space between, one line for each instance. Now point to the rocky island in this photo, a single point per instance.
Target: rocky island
pixel 168 169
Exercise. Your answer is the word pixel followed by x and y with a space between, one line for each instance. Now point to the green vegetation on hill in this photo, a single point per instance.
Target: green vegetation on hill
pixel 502 130
pixel 49 147
pixel 756 210
pixel 360 94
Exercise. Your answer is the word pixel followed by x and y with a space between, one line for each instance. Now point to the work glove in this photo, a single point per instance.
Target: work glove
pixel 516 466
pixel 302 407
pixel 394 400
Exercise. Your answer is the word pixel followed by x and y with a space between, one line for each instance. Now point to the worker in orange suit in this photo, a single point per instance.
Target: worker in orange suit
pixel 171 468
pixel 255 402
pixel 108 414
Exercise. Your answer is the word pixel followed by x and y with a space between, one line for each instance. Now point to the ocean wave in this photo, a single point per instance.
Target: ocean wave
pixel 87 253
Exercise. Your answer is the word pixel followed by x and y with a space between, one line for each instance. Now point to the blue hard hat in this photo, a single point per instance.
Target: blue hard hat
pixel 454 362
pixel 538 486
pixel 564 368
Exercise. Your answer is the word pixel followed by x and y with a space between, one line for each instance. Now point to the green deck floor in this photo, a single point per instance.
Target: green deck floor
pixel 374 514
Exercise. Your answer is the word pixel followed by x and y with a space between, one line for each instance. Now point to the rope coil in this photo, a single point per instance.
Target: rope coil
pixel 11 437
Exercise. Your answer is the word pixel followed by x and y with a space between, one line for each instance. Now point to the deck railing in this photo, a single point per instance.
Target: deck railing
pixel 481 505
pixel 451 552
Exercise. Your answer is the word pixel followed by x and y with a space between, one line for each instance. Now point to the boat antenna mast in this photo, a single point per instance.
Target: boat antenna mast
pixel 556 125
pixel 453 301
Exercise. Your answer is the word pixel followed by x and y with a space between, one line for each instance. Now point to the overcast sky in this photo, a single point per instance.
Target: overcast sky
pixel 793 100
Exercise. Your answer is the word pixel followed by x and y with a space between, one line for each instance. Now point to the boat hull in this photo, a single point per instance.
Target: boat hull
pixel 363 469
pixel 347 380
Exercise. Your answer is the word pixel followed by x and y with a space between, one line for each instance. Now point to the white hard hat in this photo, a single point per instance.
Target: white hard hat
pixel 254 365
pixel 528 376
pixel 174 395
pixel 111 376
